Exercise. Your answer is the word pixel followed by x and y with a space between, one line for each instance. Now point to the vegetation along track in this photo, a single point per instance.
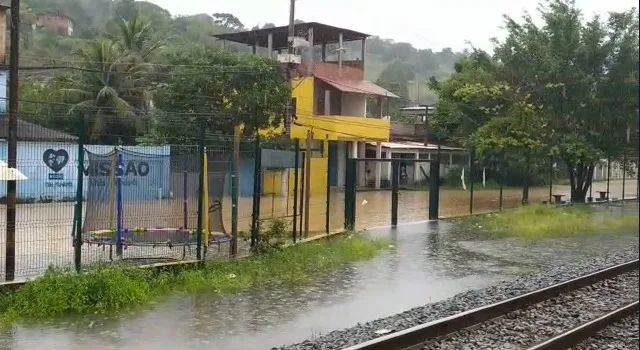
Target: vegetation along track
pixel 555 317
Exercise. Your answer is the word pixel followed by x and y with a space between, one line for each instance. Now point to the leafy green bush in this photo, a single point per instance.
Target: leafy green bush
pixel 112 289
pixel 535 222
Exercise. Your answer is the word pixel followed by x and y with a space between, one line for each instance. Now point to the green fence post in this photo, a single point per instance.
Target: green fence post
pixel 395 179
pixel 327 223
pixel 501 179
pixel 349 195
pixel 201 151
pixel 235 190
pixel 257 182
pixel 624 167
pixel 525 186
pixel 472 159
pixel 296 165
pixel 550 179
pixel 302 190
pixel 77 248
pixel 608 177
pixel 434 189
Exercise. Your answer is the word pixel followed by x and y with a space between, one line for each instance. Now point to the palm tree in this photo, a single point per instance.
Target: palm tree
pixel 135 38
pixel 104 91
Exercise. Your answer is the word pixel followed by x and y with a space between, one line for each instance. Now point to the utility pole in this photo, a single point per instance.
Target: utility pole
pixel 292 9
pixel 12 142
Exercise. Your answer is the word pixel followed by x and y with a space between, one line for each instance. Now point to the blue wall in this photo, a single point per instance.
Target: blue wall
pixel 246 178
pixel 51 170
pixel 59 181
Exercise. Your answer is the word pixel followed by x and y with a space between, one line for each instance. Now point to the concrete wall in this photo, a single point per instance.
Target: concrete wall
pixel 319 177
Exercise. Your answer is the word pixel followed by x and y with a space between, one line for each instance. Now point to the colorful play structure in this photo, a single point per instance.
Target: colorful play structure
pixel 146 200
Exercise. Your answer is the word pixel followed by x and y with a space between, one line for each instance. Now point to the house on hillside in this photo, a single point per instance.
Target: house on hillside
pixel 54 22
pixel 329 95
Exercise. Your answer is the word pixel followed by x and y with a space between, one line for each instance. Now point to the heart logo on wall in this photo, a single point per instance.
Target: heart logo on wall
pixel 55 160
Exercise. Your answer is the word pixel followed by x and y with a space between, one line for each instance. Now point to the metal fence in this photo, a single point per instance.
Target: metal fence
pixel 468 185
pixel 103 196
pixel 86 198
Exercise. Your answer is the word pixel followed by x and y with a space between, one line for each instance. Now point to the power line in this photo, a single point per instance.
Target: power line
pixel 115 62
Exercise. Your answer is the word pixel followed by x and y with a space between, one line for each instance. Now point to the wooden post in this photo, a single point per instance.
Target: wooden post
pixel 3 28
pixel 307 175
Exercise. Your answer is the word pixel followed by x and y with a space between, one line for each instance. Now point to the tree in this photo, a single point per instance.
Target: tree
pixel 228 20
pixel 103 90
pixel 395 78
pixel 219 90
pixel 126 9
pixel 577 83
pixel 135 38
pixel 585 74
pixel 27 20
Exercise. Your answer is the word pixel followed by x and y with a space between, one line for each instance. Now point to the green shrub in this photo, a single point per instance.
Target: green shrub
pixel 534 222
pixel 105 289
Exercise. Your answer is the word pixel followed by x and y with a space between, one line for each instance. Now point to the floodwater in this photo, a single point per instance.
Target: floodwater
pixel 43 232
pixel 429 261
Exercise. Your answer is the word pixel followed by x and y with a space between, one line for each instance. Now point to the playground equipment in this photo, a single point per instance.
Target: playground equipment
pixel 150 201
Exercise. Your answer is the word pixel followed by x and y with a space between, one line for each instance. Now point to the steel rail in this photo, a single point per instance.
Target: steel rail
pixel 586 330
pixel 417 335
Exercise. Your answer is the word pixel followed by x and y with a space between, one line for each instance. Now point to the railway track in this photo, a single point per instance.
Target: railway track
pixel 556 317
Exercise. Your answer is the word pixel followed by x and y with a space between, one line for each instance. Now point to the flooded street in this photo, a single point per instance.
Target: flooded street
pixel 428 262
pixel 43 232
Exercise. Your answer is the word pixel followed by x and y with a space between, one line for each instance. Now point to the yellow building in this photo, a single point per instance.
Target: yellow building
pixel 330 95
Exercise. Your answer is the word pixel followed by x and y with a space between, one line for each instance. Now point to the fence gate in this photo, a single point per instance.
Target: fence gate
pixel 396 164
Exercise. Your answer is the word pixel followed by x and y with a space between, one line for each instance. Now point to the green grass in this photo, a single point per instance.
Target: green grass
pixel 535 222
pixel 105 290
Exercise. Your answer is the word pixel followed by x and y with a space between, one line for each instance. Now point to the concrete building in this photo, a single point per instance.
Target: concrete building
pixel 330 96
pixel 55 22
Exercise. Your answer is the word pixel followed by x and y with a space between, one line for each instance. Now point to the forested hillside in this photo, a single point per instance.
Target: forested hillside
pixel 397 66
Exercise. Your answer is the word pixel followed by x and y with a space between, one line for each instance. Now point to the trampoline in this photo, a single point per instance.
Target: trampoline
pixel 150 201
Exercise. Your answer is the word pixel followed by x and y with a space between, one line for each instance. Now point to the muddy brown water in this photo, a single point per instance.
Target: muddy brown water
pixel 43 232
pixel 428 261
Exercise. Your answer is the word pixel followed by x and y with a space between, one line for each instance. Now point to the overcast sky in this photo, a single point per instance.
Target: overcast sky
pixel 424 23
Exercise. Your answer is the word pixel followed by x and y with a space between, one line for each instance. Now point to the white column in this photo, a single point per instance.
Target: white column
pixel 378 164
pixel 354 149
pixel 310 64
pixel 270 45
pixel 353 153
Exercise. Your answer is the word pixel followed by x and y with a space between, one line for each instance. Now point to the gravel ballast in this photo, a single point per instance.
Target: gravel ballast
pixel 620 335
pixel 526 327
pixel 461 302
